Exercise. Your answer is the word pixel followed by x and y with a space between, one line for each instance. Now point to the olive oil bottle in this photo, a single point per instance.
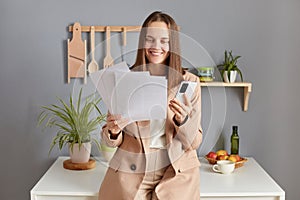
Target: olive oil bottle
pixel 235 140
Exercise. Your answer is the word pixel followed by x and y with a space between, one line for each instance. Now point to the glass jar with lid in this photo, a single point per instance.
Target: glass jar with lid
pixel 206 74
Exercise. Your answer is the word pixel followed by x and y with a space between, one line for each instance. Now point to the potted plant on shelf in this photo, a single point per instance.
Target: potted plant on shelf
pixel 229 68
pixel 74 125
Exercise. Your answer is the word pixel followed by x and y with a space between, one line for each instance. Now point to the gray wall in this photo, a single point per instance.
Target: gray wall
pixel 266 34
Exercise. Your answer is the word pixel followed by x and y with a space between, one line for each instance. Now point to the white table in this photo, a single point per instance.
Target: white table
pixel 247 182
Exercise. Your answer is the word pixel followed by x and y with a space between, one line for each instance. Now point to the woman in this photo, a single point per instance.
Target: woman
pixel 157 159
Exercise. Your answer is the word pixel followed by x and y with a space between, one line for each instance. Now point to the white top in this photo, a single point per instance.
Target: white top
pixel 249 180
pixel 157 132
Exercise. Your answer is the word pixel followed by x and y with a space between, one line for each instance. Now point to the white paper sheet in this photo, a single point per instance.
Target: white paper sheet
pixel 135 95
pixel 141 96
pixel 104 81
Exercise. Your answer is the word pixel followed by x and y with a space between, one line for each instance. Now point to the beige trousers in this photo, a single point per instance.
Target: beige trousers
pixel 157 163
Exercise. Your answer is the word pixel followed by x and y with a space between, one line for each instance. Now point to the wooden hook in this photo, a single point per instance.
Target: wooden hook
pixel 124 36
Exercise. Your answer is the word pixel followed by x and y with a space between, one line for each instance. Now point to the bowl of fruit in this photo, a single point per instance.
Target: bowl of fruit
pixel 212 158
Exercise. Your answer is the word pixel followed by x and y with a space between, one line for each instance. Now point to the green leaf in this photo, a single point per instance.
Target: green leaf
pixel 97 144
pixel 240 73
pixel 235 59
pixel 79 101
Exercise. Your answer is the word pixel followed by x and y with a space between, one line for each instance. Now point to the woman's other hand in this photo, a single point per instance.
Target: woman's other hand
pixel 116 123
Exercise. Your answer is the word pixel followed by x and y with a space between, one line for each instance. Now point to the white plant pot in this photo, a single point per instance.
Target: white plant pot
pixel 232 76
pixel 81 155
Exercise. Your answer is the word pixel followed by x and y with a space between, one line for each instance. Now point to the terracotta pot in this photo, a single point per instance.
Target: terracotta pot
pixel 81 155
pixel 232 76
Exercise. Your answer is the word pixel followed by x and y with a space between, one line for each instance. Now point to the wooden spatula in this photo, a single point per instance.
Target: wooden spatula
pixel 123 44
pixel 93 66
pixel 108 60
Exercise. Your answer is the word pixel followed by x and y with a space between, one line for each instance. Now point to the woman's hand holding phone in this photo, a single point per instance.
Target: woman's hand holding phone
pixel 181 110
pixel 181 105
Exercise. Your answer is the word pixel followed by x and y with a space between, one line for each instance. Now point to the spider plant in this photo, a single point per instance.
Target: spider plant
pixel 73 122
pixel 229 65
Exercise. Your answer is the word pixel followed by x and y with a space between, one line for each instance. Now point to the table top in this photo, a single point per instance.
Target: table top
pixel 249 180
pixel 60 181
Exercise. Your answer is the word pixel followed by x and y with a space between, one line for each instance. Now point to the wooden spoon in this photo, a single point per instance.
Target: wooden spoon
pixel 108 60
pixel 93 66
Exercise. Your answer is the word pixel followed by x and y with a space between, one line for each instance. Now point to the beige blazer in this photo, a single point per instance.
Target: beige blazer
pixel 128 165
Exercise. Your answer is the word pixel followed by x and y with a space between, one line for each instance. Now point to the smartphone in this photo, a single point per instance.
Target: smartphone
pixel 187 88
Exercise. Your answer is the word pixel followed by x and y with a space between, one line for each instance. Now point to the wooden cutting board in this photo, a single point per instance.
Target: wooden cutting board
pixel 79 166
pixel 77 55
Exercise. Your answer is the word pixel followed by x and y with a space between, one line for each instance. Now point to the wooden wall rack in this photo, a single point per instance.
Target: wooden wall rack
pixel 112 28
pixel 77 47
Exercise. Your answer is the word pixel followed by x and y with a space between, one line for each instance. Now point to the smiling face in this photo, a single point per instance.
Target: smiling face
pixel 157 42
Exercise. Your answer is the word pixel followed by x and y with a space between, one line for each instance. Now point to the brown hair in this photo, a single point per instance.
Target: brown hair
pixel 174 59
